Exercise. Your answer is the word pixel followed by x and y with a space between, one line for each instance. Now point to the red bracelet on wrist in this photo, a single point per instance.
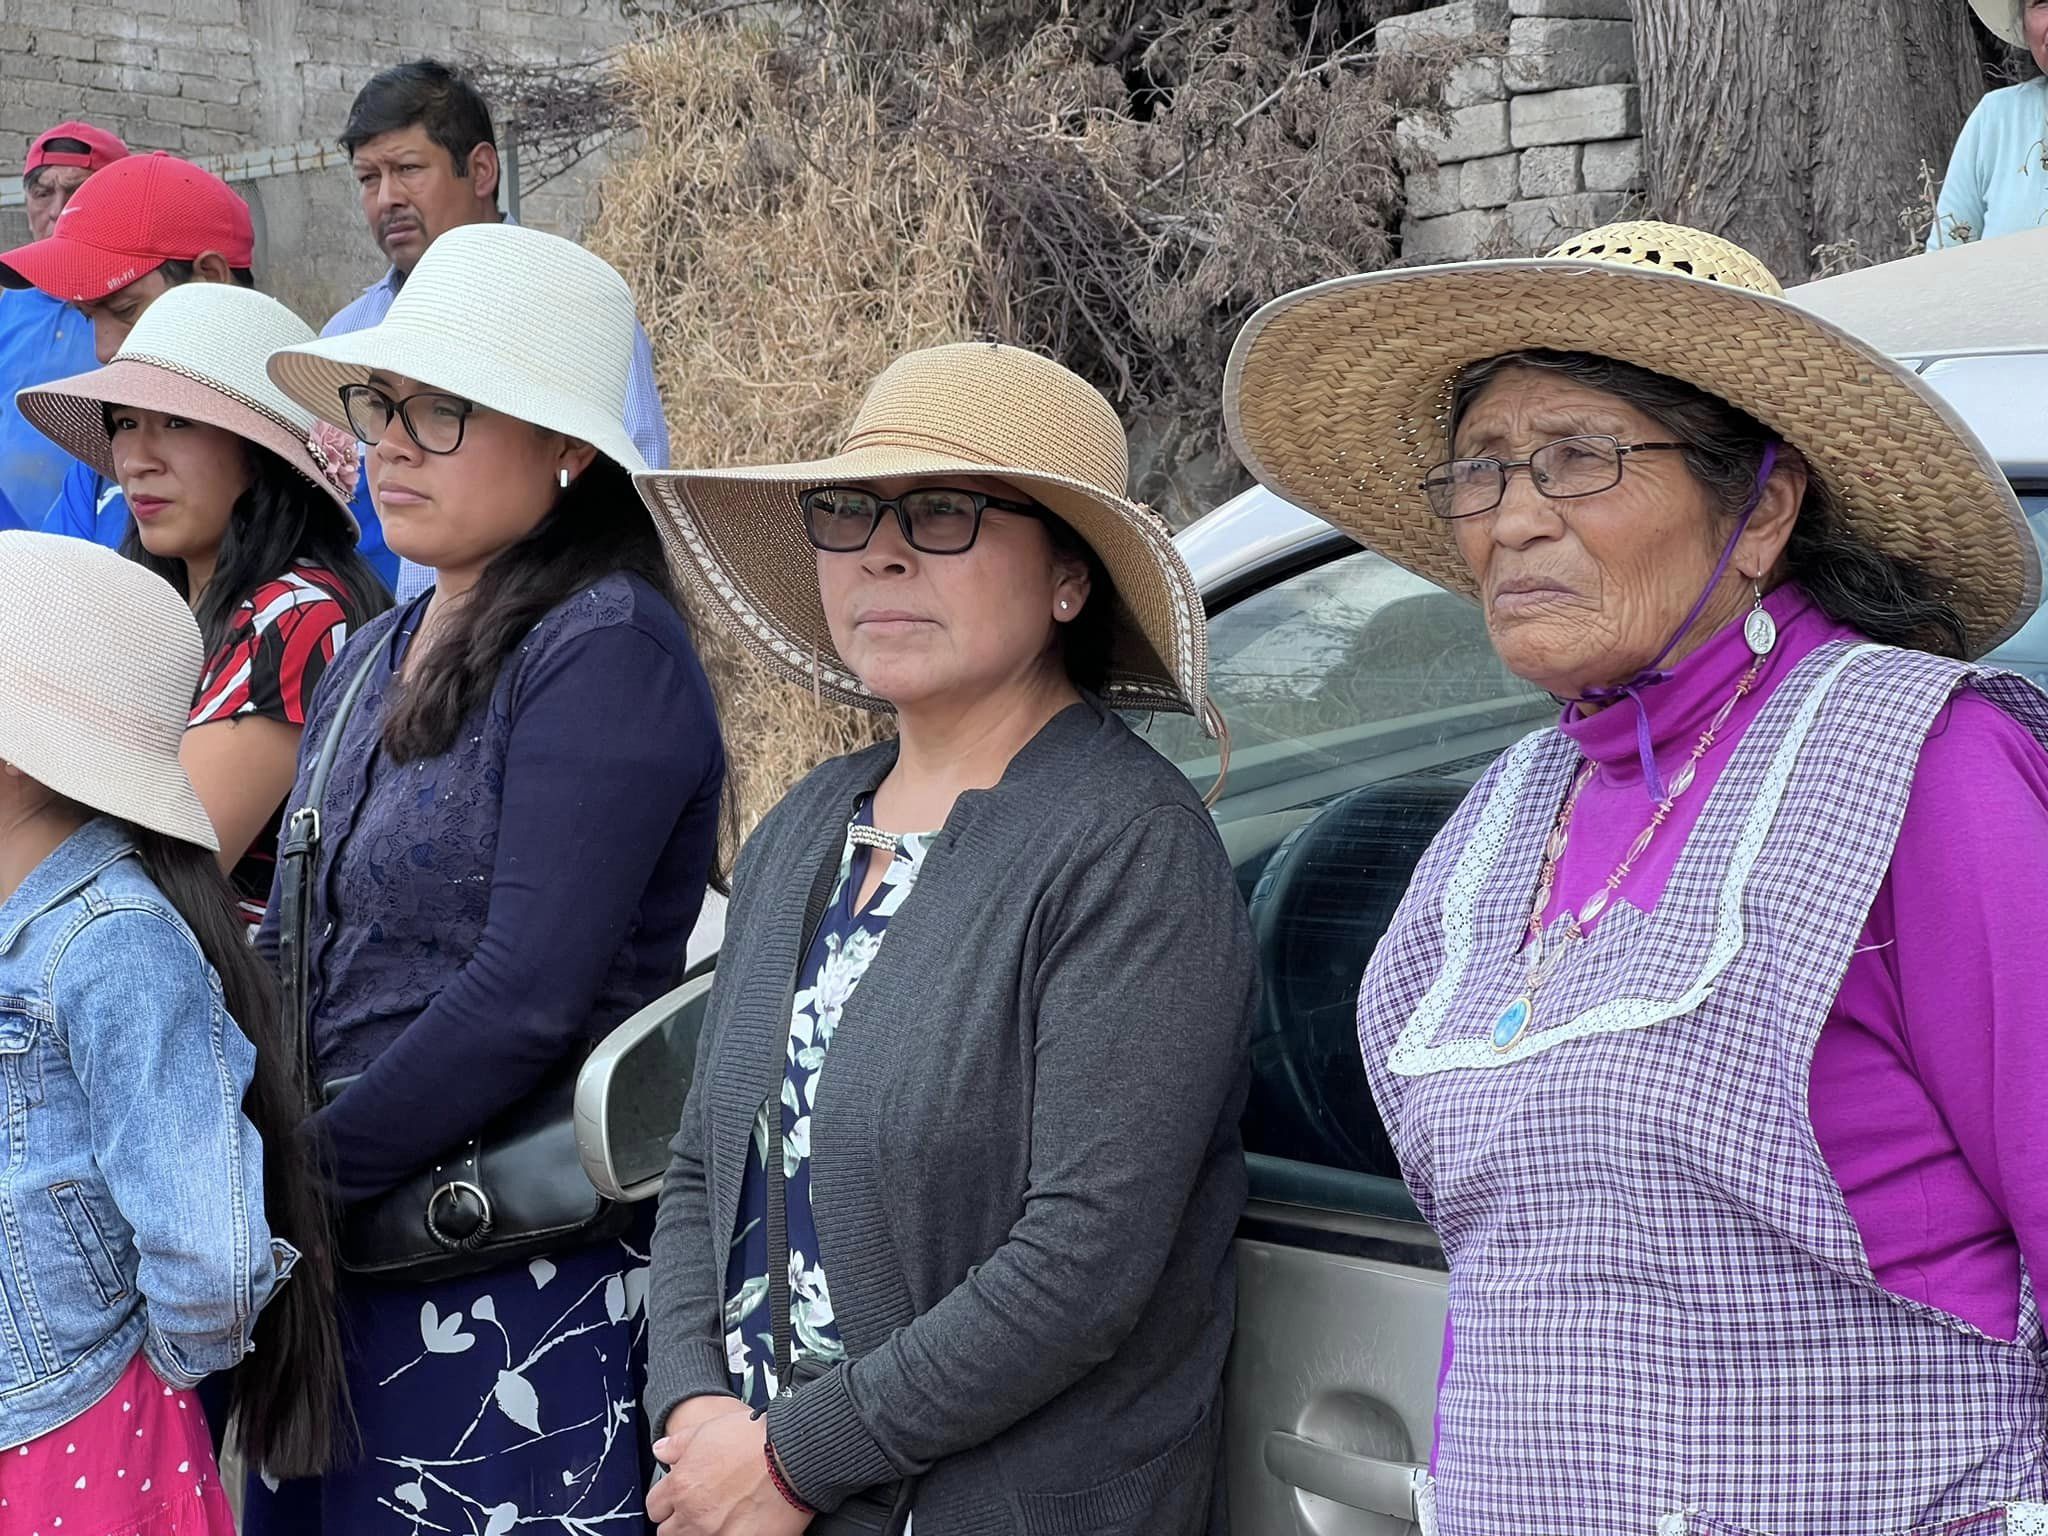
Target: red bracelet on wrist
pixel 782 1483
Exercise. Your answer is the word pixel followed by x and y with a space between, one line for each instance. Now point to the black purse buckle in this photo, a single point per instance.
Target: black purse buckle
pixel 467 1219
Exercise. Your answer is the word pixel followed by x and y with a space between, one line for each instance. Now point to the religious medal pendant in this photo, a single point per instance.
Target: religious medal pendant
pixel 1545 951
pixel 1760 630
pixel 1513 1022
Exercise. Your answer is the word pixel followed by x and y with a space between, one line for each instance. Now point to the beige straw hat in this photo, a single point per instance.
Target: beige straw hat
pixel 1338 397
pixel 99 660
pixel 198 352
pixel 525 323
pixel 2002 17
pixel 974 408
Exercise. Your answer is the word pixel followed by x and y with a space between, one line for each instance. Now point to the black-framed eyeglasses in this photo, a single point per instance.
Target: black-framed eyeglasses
pixel 935 519
pixel 432 420
pixel 1567 468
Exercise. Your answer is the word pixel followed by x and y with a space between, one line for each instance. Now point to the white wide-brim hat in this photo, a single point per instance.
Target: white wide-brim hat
pixel 99 659
pixel 523 323
pixel 970 409
pixel 1338 396
pixel 199 352
pixel 2002 17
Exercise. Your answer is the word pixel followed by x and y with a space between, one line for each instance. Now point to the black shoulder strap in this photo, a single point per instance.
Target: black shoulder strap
pixel 298 855
pixel 778 1208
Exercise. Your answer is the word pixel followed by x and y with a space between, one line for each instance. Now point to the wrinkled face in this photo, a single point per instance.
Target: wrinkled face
pixel 47 194
pixel 922 629
pixel 412 194
pixel 457 511
pixel 1584 593
pixel 114 316
pixel 182 479
pixel 2034 20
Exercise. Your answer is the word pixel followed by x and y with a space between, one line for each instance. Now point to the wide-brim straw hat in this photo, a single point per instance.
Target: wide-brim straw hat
pixel 2002 17
pixel 198 352
pixel 1338 397
pixel 100 659
pixel 970 409
pixel 525 323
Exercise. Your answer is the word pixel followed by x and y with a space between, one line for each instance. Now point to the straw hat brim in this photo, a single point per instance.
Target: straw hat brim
pixel 2001 17
pixel 314 375
pixel 737 537
pixel 69 413
pixel 1337 397
pixel 102 772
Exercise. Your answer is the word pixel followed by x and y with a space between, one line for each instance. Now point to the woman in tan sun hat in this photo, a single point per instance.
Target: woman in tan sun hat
pixel 240 502
pixel 512 841
pixel 1706 1034
pixel 1020 1166
pixel 154 1184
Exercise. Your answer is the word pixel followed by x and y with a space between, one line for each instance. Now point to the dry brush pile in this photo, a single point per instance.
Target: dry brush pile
pixel 1114 184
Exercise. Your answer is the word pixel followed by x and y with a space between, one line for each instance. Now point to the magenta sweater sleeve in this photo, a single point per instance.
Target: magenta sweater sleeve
pixel 1961 928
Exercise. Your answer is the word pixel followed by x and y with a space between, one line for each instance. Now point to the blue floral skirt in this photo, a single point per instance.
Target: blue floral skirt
pixel 505 1400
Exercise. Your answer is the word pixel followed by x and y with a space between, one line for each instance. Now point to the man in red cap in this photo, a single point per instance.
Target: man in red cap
pixel 42 338
pixel 134 231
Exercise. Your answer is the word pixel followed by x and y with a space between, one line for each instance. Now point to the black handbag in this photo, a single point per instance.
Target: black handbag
pixel 515 1191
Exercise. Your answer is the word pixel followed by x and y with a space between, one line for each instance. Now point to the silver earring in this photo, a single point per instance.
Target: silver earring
pixel 1065 605
pixel 1760 629
pixel 562 478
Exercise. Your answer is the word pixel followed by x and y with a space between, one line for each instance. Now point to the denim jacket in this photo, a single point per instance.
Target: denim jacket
pixel 131 1183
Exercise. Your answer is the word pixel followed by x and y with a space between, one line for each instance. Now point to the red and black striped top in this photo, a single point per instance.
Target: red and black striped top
pixel 277 648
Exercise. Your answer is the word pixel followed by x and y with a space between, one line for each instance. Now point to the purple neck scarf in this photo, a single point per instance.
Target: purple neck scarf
pixel 1650 675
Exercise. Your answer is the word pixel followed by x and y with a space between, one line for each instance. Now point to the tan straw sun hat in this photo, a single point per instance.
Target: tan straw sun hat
pixel 1338 397
pixel 970 409
pixel 524 323
pixel 199 352
pixel 2002 17
pixel 99 659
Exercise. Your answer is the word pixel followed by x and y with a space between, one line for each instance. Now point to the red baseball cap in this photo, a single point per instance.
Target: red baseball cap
pixel 102 148
pixel 128 220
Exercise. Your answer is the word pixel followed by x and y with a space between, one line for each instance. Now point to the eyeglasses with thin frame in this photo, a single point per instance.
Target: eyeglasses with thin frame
pixel 935 519
pixel 1562 470
pixel 434 421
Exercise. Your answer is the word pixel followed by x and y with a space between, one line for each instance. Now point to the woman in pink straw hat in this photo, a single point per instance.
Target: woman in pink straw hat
pixel 162 1223
pixel 240 500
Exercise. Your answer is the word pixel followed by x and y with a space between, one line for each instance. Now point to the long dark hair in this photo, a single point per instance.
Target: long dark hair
pixel 278 522
pixel 1893 601
pixel 290 1396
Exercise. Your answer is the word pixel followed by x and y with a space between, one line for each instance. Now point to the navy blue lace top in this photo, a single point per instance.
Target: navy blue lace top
pixel 479 916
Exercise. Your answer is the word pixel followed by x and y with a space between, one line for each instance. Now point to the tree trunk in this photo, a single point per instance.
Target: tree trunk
pixel 1803 129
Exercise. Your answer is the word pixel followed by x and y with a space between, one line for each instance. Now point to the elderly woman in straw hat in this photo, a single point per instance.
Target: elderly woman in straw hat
pixel 150 1174
pixel 240 501
pixel 516 821
pixel 1707 1033
pixel 1994 184
pixel 951 1206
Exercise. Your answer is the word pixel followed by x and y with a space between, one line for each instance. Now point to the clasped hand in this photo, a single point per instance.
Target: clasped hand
pixel 717 1482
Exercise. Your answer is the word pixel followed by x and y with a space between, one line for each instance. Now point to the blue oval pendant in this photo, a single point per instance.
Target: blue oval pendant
pixel 1512 1024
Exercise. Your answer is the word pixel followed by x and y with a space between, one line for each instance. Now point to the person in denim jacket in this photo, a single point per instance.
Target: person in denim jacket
pixel 148 1166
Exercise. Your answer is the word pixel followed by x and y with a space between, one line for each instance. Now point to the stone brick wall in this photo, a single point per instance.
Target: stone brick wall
pixel 1544 140
pixel 216 79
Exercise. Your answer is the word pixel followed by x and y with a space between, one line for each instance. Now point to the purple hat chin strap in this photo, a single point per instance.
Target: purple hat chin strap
pixel 1652 780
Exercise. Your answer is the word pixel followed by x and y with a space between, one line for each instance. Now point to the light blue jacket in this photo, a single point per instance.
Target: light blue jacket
pixel 131 1183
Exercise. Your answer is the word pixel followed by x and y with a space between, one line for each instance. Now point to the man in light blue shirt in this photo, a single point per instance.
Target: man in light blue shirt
pixel 425 156
pixel 41 337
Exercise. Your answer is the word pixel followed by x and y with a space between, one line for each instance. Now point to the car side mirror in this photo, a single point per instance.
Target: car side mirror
pixel 629 1095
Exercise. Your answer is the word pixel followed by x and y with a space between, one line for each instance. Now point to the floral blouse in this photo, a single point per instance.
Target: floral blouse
pixel 846 944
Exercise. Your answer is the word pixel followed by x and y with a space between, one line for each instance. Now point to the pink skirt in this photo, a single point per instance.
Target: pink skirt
pixel 138 1462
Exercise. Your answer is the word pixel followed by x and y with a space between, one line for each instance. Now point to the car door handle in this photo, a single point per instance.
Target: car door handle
pixel 1361 1482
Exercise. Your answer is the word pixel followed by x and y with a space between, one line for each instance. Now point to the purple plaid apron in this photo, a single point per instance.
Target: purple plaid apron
pixel 1666 1323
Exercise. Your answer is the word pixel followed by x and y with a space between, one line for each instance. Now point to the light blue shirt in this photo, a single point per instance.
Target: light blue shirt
pixel 40 339
pixel 1997 181
pixel 645 424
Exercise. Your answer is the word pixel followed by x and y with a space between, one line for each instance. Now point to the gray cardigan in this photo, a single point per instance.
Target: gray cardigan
pixel 1025 1157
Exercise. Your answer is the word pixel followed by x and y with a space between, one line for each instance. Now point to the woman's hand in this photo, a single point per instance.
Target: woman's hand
pixel 718 1483
pixel 684 1420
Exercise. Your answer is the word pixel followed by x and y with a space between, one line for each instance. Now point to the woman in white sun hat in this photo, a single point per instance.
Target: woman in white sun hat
pixel 1997 181
pixel 239 498
pixel 1020 1165
pixel 150 1171
pixel 515 833
pixel 1708 1034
